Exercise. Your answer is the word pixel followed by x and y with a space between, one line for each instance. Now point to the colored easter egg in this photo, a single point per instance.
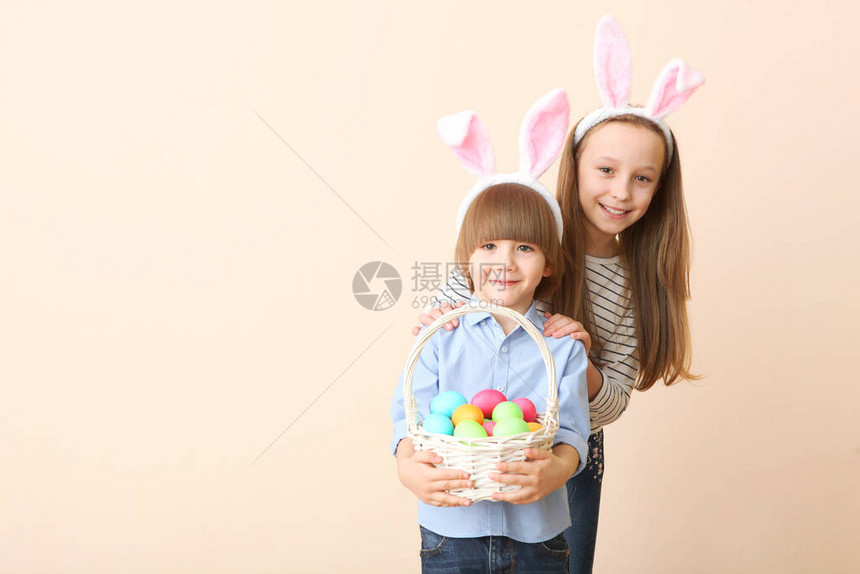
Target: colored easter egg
pixel 469 429
pixel 507 410
pixel 487 400
pixel 529 410
pixel 509 427
pixel 446 402
pixel 467 412
pixel 533 426
pixel 436 423
pixel 488 426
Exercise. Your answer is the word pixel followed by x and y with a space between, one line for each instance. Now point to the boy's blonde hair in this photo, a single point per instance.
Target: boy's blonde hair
pixel 518 213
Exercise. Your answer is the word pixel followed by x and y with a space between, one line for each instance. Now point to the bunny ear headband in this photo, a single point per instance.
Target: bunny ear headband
pixel 541 139
pixel 675 84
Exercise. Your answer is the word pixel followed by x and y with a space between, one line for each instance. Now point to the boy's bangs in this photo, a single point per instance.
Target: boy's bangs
pixel 514 215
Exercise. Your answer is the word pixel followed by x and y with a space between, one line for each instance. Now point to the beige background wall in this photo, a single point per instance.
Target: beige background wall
pixel 176 281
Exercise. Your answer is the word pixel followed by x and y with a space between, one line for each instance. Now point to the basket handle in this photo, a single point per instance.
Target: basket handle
pixel 478 307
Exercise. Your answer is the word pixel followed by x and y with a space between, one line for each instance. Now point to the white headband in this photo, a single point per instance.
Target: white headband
pixel 542 137
pixel 612 69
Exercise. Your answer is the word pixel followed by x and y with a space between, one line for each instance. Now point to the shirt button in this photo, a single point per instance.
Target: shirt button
pixel 500 388
pixel 504 349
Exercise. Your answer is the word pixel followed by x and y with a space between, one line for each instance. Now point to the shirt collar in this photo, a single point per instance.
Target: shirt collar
pixel 532 314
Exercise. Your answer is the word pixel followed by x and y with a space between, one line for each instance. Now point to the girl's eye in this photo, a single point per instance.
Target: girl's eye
pixel 643 179
pixel 526 248
pixel 605 169
pixel 488 246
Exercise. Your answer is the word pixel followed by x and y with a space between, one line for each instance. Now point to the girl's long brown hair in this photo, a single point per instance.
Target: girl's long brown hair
pixel 656 252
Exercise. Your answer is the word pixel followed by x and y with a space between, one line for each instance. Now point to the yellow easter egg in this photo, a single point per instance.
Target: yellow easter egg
pixel 467 412
pixel 534 426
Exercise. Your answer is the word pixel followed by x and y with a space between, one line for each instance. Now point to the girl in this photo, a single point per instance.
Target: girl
pixel 627 253
pixel 509 251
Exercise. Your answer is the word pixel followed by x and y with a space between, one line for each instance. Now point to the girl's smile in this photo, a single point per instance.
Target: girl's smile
pixel 614 213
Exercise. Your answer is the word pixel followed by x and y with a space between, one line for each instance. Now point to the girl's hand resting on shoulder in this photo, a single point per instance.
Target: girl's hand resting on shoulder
pixel 559 325
pixel 435 313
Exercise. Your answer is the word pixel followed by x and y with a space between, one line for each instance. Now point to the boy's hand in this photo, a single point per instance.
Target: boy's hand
pixel 560 325
pixel 435 313
pixel 417 473
pixel 541 473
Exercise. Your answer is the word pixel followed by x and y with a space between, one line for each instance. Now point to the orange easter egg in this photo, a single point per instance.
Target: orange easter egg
pixel 467 412
pixel 534 426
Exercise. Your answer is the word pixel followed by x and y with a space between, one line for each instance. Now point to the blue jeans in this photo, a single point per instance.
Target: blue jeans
pixel 490 555
pixel 583 495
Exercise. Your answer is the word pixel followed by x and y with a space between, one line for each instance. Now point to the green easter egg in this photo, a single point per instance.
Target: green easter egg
pixel 507 410
pixel 469 429
pixel 509 427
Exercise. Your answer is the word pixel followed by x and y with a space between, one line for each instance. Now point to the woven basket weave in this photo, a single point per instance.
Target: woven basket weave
pixel 479 456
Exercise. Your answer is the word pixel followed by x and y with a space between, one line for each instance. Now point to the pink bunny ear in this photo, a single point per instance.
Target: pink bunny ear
pixel 612 63
pixel 543 133
pixel 675 84
pixel 465 134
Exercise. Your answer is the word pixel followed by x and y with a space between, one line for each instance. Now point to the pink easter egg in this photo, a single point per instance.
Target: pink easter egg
pixel 487 400
pixel 529 410
pixel 488 426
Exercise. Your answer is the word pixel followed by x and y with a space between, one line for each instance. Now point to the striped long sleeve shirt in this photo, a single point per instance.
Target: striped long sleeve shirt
pixel 615 329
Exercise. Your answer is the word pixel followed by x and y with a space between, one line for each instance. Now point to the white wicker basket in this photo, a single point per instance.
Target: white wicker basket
pixel 479 456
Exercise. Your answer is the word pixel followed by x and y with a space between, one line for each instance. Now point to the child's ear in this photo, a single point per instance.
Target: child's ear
pixel 547 270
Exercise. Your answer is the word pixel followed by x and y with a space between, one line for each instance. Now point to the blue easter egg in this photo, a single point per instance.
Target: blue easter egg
pixel 438 423
pixel 446 403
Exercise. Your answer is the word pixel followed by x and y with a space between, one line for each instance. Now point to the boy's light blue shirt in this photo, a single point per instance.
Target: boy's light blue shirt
pixel 476 356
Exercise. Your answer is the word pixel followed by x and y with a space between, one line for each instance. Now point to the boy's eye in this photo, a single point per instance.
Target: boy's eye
pixel 488 246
